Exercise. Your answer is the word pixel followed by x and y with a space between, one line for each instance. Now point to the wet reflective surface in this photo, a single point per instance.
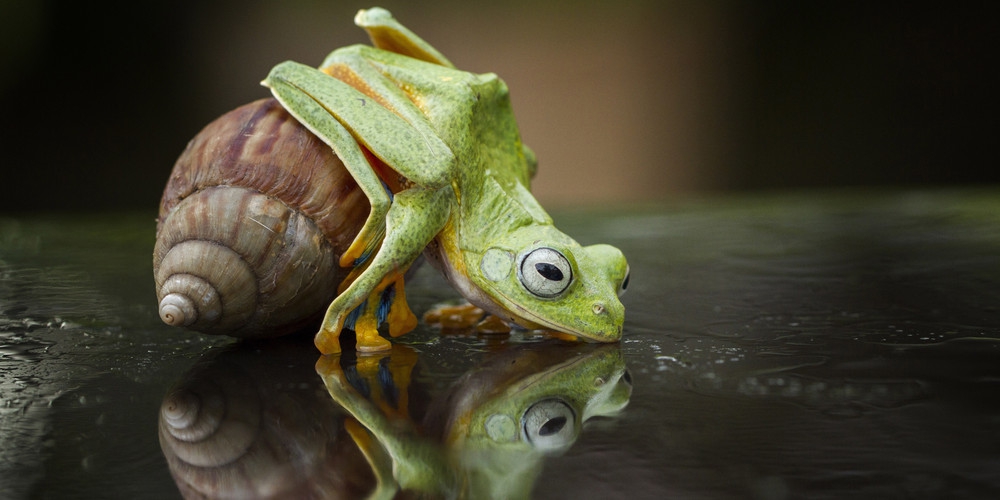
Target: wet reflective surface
pixel 775 347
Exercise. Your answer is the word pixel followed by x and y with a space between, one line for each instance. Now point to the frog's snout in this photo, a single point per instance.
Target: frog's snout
pixel 607 321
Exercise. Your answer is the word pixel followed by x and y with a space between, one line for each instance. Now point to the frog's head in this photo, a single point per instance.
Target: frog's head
pixel 554 283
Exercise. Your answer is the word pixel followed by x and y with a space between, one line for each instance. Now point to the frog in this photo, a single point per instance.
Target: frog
pixel 438 153
pixel 489 434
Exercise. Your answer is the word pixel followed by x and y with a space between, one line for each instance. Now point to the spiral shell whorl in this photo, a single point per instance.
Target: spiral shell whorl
pixel 188 299
pixel 252 221
pixel 178 310
pixel 204 273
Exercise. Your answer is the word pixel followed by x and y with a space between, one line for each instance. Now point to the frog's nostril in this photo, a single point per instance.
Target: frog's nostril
pixel 599 308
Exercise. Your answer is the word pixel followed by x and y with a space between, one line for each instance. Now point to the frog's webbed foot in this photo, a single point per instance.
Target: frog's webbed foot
pixel 386 304
pixel 364 320
pixel 454 317
pixel 465 318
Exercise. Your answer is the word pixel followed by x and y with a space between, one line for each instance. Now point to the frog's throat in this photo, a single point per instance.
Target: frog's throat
pixel 457 275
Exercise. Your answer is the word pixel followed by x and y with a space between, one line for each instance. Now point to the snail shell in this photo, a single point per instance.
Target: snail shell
pixel 252 223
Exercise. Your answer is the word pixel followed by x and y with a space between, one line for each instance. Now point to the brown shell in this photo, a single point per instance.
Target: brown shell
pixel 252 223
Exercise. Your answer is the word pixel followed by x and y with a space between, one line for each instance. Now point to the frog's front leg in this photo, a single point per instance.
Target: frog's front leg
pixel 414 218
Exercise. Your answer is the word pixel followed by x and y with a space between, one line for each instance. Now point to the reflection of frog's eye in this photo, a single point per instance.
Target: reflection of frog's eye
pixel 549 425
pixel 545 272
pixel 624 285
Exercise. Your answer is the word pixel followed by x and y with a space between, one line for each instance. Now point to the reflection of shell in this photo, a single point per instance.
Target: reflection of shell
pixel 245 427
pixel 210 425
pixel 252 223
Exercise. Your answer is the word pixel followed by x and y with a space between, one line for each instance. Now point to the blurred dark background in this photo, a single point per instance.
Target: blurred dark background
pixel 622 100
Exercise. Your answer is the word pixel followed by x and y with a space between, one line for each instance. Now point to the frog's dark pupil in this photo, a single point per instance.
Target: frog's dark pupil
pixel 625 283
pixel 549 271
pixel 551 427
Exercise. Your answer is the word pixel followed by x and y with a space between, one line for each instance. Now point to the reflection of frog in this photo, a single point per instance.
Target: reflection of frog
pixel 487 437
pixel 438 153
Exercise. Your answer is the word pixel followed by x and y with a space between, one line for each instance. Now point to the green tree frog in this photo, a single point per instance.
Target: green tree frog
pixel 438 154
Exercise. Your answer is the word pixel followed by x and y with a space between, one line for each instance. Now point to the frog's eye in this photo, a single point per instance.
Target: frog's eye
pixel 624 286
pixel 549 425
pixel 545 272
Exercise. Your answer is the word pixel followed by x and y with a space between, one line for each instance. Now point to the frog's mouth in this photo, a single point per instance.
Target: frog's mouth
pixel 533 321
pixel 528 319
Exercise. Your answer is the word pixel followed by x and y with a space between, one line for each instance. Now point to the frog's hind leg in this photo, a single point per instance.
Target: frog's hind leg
pixel 378 114
pixel 311 114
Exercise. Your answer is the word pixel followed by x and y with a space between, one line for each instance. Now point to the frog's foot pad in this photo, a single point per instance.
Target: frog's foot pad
pixel 465 318
pixel 366 331
pixel 567 337
pixel 373 344
pixel 328 342
pixel 454 317
pixel 491 325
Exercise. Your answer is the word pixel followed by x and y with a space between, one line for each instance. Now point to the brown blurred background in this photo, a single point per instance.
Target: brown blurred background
pixel 623 101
